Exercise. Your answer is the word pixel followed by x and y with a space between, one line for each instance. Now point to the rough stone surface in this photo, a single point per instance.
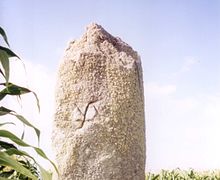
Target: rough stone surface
pixel 99 121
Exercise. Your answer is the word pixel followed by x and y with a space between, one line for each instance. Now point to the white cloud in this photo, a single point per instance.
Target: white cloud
pixel 182 131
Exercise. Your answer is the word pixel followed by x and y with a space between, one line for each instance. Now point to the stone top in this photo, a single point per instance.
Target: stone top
pixel 97 37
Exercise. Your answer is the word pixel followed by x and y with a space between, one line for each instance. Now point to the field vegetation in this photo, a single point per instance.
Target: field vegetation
pixel 178 174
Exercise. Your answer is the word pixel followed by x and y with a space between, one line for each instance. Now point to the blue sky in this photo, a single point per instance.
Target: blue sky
pixel 178 42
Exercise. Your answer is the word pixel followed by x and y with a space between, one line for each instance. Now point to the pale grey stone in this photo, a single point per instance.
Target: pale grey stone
pixel 99 131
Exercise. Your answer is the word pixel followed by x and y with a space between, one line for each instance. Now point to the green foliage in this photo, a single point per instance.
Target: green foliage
pixel 178 174
pixel 15 163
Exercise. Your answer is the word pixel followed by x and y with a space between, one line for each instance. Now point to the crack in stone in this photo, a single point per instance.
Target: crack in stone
pixel 84 114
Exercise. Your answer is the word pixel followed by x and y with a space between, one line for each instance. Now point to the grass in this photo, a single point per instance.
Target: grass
pixel 178 174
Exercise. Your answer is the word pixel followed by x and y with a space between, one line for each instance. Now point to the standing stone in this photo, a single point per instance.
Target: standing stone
pixel 99 131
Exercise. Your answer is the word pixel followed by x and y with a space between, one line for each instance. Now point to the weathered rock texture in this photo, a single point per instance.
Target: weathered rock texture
pixel 99 122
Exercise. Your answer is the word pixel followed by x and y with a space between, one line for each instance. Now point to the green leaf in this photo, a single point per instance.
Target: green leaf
pixel 44 174
pixel 6 111
pixel 22 135
pixel 22 119
pixel 15 90
pixel 13 151
pixel 12 89
pixel 2 95
pixel 2 32
pixel 7 160
pixel 5 64
pixel 42 154
pixel 12 137
pixel 155 177
pixel 1 178
pixel 6 123
pixel 38 102
pixel 6 145
pixel 9 52
pixel 2 73
pixel 7 174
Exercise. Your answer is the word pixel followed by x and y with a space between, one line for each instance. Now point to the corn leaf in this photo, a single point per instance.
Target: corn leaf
pixel 42 154
pixel 15 139
pixel 6 145
pixel 38 102
pixel 7 160
pixel 6 111
pixel 2 32
pixel 5 64
pixel 9 52
pixel 22 119
pixel 2 73
pixel 6 123
pixel 15 90
pixel 44 174
pixel 7 174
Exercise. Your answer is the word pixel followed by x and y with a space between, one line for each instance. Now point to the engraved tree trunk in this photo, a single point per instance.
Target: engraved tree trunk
pixel 99 131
